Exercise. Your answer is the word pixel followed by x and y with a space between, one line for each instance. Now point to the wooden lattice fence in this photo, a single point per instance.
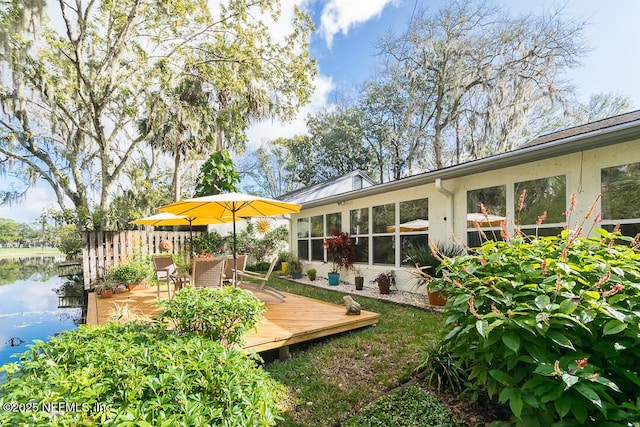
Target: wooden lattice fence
pixel 102 250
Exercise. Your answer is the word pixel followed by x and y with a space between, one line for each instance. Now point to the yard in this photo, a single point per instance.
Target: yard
pixel 329 380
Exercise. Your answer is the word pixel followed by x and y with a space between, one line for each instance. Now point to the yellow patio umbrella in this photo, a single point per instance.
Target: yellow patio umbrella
pixel 230 205
pixel 169 219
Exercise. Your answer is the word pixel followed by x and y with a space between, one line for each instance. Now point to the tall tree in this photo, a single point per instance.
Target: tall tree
pixel 282 166
pixel 71 100
pixel 478 74
pixel 338 143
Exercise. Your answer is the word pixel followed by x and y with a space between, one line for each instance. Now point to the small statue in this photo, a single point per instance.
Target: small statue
pixel 353 308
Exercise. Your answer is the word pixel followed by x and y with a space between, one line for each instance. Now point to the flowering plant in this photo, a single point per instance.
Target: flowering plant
pixel 340 250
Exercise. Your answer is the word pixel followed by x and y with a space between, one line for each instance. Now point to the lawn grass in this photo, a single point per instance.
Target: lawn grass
pixel 328 380
pixel 29 252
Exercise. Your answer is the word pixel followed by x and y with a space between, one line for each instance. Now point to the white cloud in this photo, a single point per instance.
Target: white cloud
pixel 262 132
pixel 339 16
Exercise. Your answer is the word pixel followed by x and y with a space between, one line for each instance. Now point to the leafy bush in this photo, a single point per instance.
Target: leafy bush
pixel 261 266
pixel 211 243
pixel 429 258
pixel 69 241
pixel 408 406
pixel 134 271
pixel 550 325
pixel 221 314
pixel 442 369
pixel 136 374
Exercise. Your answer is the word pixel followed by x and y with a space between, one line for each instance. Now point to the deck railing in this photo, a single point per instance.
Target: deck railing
pixel 102 250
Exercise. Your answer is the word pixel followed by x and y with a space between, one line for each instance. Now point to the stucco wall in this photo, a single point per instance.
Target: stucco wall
pixel 582 170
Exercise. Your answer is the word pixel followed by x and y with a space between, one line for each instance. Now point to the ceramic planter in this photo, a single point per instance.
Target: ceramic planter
pixel 334 279
pixel 359 283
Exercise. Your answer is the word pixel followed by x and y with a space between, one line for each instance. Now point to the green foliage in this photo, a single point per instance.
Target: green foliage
pixel 442 369
pixel 260 266
pixel 295 265
pixel 550 326
pixel 408 406
pixel 103 284
pixel 220 314
pixel 89 151
pixel 217 175
pixel 69 241
pixel 212 243
pixel 261 245
pixel 428 259
pixel 312 272
pixel 137 374
pixel 134 271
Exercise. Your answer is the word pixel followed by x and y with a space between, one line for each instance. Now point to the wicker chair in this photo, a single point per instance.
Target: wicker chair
pixel 241 262
pixel 165 271
pixel 208 272
pixel 262 279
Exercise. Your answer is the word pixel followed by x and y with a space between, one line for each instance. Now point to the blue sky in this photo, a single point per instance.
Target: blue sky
pixel 344 47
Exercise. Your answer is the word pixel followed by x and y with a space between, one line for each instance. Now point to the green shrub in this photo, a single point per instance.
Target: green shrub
pixel 260 266
pixel 136 374
pixel 551 326
pixel 211 243
pixel 221 314
pixel 442 369
pixel 408 406
pixel 423 256
pixel 69 241
pixel 134 271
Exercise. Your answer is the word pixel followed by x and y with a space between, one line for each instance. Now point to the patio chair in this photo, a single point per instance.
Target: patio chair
pixel 261 286
pixel 208 272
pixel 165 270
pixel 229 265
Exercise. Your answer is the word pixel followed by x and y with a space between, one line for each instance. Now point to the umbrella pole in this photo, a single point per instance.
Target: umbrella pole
pixel 191 236
pixel 235 250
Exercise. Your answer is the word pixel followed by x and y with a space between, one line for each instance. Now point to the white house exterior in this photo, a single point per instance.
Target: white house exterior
pixel 598 158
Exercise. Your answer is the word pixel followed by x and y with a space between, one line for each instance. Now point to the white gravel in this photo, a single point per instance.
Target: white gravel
pixel 371 291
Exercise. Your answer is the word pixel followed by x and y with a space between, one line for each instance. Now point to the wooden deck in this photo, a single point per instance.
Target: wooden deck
pixel 296 320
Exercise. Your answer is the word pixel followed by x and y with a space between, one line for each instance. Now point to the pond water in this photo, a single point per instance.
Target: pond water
pixel 31 297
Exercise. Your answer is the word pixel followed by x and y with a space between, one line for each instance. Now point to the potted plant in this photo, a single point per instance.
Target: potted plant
pixel 359 279
pixel 134 274
pixel 385 281
pixel 341 252
pixel 295 267
pixel 311 273
pixel 104 287
pixel 283 259
pixel 428 262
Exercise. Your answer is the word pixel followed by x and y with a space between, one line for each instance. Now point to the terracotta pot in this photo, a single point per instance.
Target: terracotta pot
pixel 359 283
pixel 138 286
pixel 437 298
pixel 107 293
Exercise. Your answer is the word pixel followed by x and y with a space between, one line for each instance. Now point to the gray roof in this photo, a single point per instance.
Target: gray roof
pixel 302 192
pixel 614 130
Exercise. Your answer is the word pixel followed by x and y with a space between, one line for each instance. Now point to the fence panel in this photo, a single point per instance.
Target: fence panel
pixel 102 250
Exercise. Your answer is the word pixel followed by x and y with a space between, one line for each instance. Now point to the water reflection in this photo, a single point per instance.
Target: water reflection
pixel 35 268
pixel 30 299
